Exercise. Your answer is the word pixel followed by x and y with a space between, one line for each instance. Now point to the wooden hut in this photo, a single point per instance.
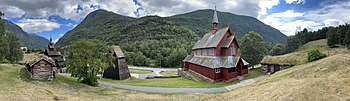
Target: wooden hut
pixel 41 67
pixel 272 64
pixel 215 57
pixel 119 70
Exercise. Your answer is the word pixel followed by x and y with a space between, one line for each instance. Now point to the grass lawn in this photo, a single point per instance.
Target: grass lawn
pixel 69 89
pixel 180 82
pixel 169 73
pixel 139 71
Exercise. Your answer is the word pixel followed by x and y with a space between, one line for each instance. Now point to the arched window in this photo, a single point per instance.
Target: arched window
pixel 233 49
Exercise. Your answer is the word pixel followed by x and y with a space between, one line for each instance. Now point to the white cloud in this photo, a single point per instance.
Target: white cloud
pixel 12 11
pixel 285 21
pixel 330 14
pixel 295 1
pixel 37 25
pixel 69 25
pixel 66 8
pixel 286 14
pixel 265 5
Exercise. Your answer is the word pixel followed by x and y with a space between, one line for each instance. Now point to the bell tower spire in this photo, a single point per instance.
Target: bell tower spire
pixel 50 39
pixel 215 21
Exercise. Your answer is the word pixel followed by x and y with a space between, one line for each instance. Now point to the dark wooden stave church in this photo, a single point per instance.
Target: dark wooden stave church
pixel 51 52
pixel 215 57
pixel 120 70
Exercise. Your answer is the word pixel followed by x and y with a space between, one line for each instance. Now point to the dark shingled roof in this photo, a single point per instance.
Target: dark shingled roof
pixel 35 58
pixel 118 52
pixel 211 40
pixel 214 61
pixel 51 52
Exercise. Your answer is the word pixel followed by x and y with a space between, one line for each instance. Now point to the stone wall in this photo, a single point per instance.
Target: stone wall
pixel 183 74
pixel 201 76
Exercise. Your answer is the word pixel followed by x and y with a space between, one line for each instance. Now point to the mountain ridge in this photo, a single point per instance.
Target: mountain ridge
pixel 198 21
pixel 27 40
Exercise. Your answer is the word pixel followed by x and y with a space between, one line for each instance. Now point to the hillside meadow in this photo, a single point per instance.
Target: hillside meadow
pixel 323 80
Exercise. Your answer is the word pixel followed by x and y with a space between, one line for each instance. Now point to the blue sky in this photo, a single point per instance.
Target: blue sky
pixel 56 17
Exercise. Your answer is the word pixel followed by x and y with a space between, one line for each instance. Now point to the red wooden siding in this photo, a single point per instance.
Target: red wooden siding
pixel 207 72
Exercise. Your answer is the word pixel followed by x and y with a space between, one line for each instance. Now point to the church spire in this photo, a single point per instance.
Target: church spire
pixel 51 39
pixel 215 21
pixel 215 17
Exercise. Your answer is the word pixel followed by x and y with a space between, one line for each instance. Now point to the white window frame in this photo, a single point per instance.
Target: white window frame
pixel 217 70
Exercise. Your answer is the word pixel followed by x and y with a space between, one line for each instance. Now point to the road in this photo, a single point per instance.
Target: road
pixel 179 90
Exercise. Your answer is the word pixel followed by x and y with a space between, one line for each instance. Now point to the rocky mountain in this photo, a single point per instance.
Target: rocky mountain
pixel 27 40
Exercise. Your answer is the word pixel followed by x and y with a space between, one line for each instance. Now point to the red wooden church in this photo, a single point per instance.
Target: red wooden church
pixel 215 57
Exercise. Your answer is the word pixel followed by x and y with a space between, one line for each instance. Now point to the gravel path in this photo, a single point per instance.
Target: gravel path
pixel 180 90
pixel 165 90
pixel 245 82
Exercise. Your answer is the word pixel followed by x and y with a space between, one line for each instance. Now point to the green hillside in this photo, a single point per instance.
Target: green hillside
pixel 104 25
pixel 160 41
pixel 100 24
pixel 27 40
pixel 323 80
pixel 300 55
pixel 200 22
pixel 148 41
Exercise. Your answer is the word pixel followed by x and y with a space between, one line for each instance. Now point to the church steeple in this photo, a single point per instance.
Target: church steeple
pixel 215 21
pixel 51 43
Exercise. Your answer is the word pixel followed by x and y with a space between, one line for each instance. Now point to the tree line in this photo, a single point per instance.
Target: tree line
pixel 336 36
pixel 9 45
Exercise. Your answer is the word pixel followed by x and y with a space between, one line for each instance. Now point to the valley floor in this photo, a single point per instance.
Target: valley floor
pixel 327 79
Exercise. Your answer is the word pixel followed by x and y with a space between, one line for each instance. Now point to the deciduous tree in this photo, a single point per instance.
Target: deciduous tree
pixel 253 48
pixel 278 49
pixel 347 39
pixel 87 58
pixel 15 53
pixel 4 48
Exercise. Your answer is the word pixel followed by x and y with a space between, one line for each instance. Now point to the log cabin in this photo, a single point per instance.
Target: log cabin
pixel 119 70
pixel 41 67
pixel 272 64
pixel 215 56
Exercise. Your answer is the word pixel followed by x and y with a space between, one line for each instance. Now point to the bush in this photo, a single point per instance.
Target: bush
pixel 314 55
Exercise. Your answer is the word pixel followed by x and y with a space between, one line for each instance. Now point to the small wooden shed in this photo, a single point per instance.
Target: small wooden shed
pixel 41 67
pixel 120 70
pixel 272 64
